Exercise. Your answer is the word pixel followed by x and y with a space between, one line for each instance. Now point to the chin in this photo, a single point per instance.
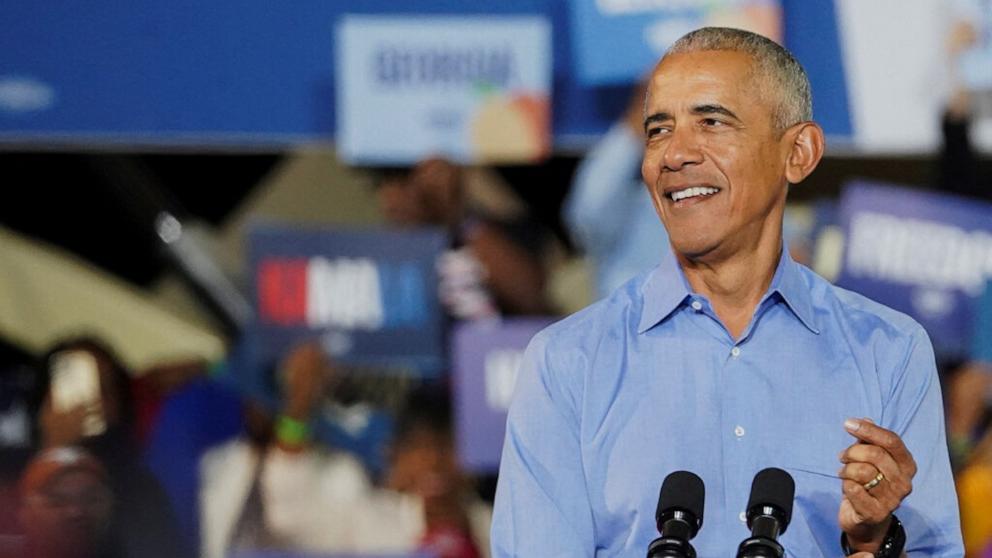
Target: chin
pixel 692 248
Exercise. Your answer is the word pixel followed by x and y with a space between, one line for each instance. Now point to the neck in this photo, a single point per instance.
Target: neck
pixel 734 285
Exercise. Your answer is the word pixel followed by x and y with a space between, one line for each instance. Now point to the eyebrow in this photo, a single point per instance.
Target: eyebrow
pixel 714 109
pixel 698 110
pixel 656 117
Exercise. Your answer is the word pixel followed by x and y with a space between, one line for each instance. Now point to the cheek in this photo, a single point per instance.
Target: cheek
pixel 649 166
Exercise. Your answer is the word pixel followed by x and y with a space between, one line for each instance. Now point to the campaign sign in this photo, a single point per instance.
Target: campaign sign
pixel 926 254
pixel 618 41
pixel 469 88
pixel 486 358
pixel 369 296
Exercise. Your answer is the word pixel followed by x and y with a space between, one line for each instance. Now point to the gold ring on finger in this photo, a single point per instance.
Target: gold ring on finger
pixel 874 482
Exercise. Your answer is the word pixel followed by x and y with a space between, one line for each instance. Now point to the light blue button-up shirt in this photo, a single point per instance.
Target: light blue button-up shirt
pixel 648 381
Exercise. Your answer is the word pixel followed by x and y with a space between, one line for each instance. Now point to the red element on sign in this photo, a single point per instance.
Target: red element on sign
pixel 282 291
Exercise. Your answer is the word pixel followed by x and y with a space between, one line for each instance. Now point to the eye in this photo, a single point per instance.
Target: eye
pixel 712 122
pixel 656 131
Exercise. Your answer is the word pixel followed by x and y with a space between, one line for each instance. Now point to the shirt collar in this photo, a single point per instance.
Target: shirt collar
pixel 666 289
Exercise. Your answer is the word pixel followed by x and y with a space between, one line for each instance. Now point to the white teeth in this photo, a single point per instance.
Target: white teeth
pixel 695 191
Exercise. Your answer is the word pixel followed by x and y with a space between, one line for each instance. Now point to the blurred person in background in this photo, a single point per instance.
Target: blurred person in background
pixel 66 507
pixel 276 488
pixel 967 416
pixel 969 385
pixel 608 210
pixel 84 400
pixel 486 272
pixel 423 463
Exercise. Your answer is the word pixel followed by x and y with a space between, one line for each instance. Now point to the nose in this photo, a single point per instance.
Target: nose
pixel 681 149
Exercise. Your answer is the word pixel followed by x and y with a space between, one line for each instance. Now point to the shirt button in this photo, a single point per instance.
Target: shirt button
pixel 742 517
pixel 735 352
pixel 696 305
pixel 739 431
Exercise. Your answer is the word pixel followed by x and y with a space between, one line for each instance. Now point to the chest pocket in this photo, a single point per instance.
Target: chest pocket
pixel 814 530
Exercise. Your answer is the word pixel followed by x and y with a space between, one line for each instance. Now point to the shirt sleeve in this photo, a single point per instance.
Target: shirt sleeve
pixel 542 507
pixel 596 209
pixel 914 410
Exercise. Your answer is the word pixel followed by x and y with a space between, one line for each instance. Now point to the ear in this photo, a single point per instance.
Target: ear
pixel 805 151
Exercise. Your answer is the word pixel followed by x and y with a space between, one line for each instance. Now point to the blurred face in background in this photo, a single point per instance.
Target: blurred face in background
pixel 400 204
pixel 438 183
pixel 68 516
pixel 430 194
pixel 424 463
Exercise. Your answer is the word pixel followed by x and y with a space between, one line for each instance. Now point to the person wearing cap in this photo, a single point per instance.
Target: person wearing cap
pixel 66 506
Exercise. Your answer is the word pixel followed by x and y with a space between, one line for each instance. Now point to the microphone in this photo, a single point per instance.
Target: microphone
pixel 679 516
pixel 769 511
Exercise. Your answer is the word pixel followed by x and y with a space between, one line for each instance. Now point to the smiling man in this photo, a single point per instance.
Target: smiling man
pixel 728 357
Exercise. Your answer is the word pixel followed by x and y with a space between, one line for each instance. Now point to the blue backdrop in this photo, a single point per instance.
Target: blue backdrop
pixel 257 72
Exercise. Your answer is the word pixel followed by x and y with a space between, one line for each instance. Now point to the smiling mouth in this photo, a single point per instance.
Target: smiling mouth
pixel 693 192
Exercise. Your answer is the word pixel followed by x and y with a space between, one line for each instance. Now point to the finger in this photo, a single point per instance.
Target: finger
pixel 897 480
pixel 867 431
pixel 867 507
pixel 877 457
pixel 860 473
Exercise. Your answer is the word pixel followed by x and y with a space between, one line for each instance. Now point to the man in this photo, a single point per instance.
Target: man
pixel 728 357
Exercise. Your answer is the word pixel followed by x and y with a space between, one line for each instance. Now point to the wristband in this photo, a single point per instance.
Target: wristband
pixel 892 545
pixel 292 432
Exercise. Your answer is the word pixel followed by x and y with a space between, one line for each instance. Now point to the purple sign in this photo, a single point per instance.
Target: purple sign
pixel 485 358
pixel 923 253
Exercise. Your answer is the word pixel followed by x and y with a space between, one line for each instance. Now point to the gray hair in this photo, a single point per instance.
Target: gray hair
pixel 772 61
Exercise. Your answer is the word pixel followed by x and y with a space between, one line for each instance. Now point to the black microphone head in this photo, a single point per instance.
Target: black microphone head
pixel 682 492
pixel 773 488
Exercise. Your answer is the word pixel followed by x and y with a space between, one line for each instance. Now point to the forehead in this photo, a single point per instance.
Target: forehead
pixel 709 76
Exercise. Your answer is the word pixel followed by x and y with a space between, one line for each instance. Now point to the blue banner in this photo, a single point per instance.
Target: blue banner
pixel 370 296
pixel 252 73
pixel 485 359
pixel 926 254
pixel 642 30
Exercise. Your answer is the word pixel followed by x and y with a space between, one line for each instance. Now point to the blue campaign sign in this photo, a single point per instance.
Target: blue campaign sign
pixel 370 296
pixel 618 40
pixel 485 358
pixel 923 253
pixel 474 89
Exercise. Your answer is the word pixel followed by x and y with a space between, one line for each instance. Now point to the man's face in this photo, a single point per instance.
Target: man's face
pixel 713 161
